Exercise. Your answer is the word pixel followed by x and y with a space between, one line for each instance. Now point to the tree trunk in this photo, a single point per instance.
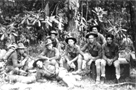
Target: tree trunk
pixel 133 20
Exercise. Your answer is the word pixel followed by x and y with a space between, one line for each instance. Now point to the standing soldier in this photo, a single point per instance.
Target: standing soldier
pixel 53 37
pixel 100 38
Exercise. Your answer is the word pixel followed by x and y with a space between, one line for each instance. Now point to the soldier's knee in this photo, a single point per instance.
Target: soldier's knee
pixel 87 56
pixel 80 56
pixel 53 61
pixel 116 64
pixel 103 62
pixel 97 63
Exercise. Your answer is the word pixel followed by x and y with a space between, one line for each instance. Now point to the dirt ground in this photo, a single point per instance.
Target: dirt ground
pixel 87 84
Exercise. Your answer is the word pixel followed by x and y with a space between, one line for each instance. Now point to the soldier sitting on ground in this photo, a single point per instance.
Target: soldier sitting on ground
pixel 72 55
pixel 48 66
pixel 49 70
pixel 50 53
pixel 16 58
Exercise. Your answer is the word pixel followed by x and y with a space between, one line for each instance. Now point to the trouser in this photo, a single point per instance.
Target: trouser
pixel 68 78
pixel 15 70
pixel 79 63
pixel 42 73
pixel 49 70
pixel 116 64
pixel 88 60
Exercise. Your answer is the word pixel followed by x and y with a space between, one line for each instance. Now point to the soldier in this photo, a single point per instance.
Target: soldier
pixel 110 54
pixel 15 58
pixel 92 52
pixel 49 70
pixel 72 54
pixel 100 38
pixel 53 37
pixel 49 52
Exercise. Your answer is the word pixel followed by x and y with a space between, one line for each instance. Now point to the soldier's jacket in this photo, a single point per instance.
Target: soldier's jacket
pixel 55 42
pixel 48 69
pixel 50 53
pixel 110 51
pixel 94 49
pixel 72 52
pixel 14 59
pixel 101 39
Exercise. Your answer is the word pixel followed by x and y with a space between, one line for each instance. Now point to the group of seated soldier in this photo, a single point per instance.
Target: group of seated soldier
pixel 53 62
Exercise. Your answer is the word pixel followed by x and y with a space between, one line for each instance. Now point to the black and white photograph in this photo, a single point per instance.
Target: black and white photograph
pixel 67 44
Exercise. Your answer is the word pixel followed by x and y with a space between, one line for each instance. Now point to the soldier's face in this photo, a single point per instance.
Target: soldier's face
pixel 91 38
pixel 71 42
pixel 94 29
pixel 22 51
pixel 50 46
pixel 39 64
pixel 53 36
pixel 109 40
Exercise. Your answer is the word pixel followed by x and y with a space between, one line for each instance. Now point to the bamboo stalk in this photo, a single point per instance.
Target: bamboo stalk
pixel 132 17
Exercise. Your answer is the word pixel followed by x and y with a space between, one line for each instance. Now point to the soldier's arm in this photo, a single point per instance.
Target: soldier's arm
pixel 103 54
pixel 15 60
pixel 80 51
pixel 116 54
pixel 41 56
pixel 8 53
pixel 84 47
pixel 25 55
pixel 66 54
pixel 58 45
pixel 56 54
pixel 103 39
pixel 74 59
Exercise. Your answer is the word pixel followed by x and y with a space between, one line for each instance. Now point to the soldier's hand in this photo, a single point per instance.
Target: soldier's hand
pixel 90 62
pixel 57 70
pixel 84 57
pixel 72 65
pixel 69 62
pixel 109 62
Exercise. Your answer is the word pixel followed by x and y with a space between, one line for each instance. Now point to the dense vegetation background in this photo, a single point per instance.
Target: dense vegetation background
pixel 31 20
